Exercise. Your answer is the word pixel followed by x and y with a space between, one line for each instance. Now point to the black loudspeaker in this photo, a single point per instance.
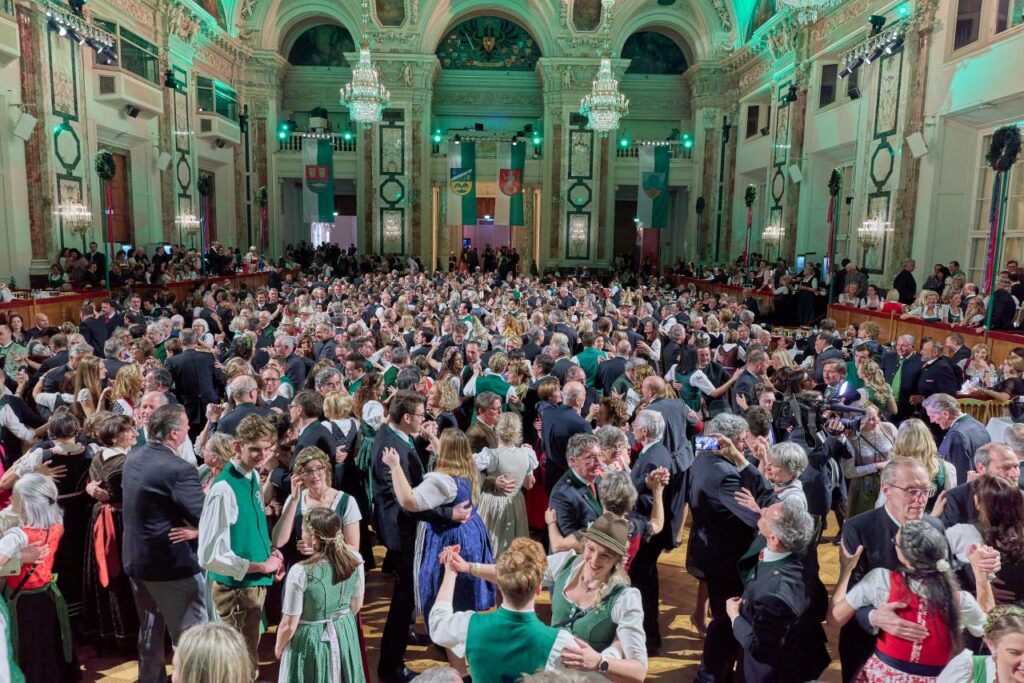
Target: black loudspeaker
pixel 220 144
pixel 853 92
pixel 131 111
pixel 764 131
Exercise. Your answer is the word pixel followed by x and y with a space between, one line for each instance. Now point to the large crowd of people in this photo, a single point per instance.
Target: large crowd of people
pixel 199 468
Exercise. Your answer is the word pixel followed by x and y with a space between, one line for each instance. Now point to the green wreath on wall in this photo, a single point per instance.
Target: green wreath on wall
pixel 105 167
pixel 1004 149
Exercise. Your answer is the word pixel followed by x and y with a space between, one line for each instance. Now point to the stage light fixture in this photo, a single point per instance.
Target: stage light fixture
pixel 515 139
pixel 623 141
pixel 903 10
pixel 688 144
pixel 243 123
pixel 536 139
pixel 791 94
pixel 62 30
pixel 437 136
pixel 844 72
pixel 347 136
pixel 169 80
pixel 458 139
pixel 877 21
pixel 765 130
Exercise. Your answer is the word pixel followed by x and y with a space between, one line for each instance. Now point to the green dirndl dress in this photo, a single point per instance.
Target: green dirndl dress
pixel 325 647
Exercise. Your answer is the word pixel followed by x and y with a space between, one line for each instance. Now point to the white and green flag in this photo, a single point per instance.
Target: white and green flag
pixel 318 184
pixel 461 183
pixel 652 191
pixel 508 203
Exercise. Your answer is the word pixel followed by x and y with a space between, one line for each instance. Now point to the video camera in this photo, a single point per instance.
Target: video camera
pixel 824 409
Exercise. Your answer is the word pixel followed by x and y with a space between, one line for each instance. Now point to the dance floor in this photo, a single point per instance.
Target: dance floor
pixel 677 663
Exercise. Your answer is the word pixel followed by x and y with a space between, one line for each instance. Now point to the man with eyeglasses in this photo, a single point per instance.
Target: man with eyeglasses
pixel 907 487
pixel 574 498
pixel 396 528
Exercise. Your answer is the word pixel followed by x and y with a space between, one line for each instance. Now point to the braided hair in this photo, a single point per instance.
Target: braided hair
pixel 929 575
pixel 325 526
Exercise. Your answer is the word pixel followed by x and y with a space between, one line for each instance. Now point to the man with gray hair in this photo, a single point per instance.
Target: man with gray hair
pixel 902 368
pixel 997 459
pixel 574 498
pixel 327 380
pixel 113 349
pixel 964 435
pixel 649 428
pixel 722 531
pixel 777 621
pixel 244 391
pixel 558 425
pixel 161 494
pixel 295 368
pixel 198 382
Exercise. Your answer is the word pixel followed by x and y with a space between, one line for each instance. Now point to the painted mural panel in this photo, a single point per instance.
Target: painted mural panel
pixel 391 12
pixel 653 53
pixel 216 10
pixel 489 43
pixel 890 70
pixel 62 69
pixel 586 15
pixel 323 45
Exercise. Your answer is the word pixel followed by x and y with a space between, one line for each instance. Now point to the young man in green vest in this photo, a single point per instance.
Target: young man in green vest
pixel 234 542
pixel 589 358
pixel 511 641
pixel 492 380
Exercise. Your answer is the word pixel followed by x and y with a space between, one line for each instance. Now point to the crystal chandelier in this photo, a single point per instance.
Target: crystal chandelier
pixel 806 11
pixel 873 231
pixel 366 97
pixel 188 223
pixel 605 105
pixel 76 216
pixel 773 234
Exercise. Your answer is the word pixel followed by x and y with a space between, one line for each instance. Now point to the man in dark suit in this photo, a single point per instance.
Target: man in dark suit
pixel 1003 307
pixel 722 531
pixel 295 367
pixel 563 361
pixel 906 485
pixel 325 344
pixel 481 433
pixel 993 458
pixel 757 364
pixel 110 316
pixel 161 493
pixel 901 369
pixel 956 352
pixel 824 351
pixel 197 380
pixel 676 415
pixel 92 329
pixel 610 370
pixel 964 434
pixel 777 621
pixel 94 257
pixel 559 424
pixel 244 392
pixel 575 497
pixel 937 374
pixel 113 349
pixel 905 284
pixel 835 385
pixel 649 428
pixel 306 411
pixel 396 527
pixel 41 328
pixel 532 346
pixel 559 320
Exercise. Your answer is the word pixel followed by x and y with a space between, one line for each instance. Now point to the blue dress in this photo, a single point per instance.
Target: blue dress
pixel 471 593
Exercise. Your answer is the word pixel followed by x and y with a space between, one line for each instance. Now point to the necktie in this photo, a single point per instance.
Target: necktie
pixel 593 491
pixel 897 379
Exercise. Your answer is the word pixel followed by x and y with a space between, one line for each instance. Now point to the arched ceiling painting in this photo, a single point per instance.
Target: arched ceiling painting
pixel 323 45
pixel 653 53
pixel 215 9
pixel 488 43
pixel 391 12
pixel 586 15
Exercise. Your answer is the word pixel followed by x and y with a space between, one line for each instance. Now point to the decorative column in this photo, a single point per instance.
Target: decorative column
pixel 263 83
pixel 916 45
pixel 711 108
pixel 794 155
pixel 42 224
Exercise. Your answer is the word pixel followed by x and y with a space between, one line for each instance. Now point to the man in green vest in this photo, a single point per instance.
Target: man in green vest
pixel 155 334
pixel 355 368
pixel 589 358
pixel 234 542
pixel 511 641
pixel 492 380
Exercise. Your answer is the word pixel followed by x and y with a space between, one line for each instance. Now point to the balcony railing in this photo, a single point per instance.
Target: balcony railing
pixel 293 143
pixel 632 151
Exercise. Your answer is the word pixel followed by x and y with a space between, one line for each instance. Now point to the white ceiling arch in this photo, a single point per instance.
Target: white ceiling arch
pixel 539 19
pixel 689 30
pixel 281 21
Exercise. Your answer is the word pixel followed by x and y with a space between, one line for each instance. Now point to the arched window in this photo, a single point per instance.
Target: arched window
pixel 323 45
pixel 653 53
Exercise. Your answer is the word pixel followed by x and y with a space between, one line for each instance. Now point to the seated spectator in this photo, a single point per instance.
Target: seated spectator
pixel 850 297
pixel 873 300
pixel 928 308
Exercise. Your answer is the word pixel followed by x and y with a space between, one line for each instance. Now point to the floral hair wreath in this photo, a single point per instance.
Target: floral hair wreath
pixel 1001 612
pixel 337 539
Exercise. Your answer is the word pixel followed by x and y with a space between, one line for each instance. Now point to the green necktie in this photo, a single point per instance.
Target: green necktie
pixel 897 379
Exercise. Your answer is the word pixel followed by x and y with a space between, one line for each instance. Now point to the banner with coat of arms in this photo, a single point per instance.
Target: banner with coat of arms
pixel 652 190
pixel 461 183
pixel 508 203
pixel 318 180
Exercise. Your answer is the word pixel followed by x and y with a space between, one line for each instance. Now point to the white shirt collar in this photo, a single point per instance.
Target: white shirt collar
pixel 772 556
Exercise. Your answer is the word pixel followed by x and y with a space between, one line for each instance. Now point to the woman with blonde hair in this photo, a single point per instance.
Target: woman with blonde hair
pixel 975 314
pixel 127 390
pixel 979 368
pixel 318 637
pixel 505 514
pixel 90 395
pixel 876 391
pixel 915 441
pixel 442 401
pixel 454 481
pixel 780 359
pixel 212 653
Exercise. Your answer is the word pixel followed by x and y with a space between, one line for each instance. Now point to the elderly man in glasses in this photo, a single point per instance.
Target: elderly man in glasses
pixel 907 487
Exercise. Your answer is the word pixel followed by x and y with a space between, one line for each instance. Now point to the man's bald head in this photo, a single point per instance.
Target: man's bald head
pixel 653 387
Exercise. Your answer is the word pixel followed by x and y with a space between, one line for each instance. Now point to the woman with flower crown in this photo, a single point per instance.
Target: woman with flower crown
pixel 1004 638
pixel 318 637
pixel 925 583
